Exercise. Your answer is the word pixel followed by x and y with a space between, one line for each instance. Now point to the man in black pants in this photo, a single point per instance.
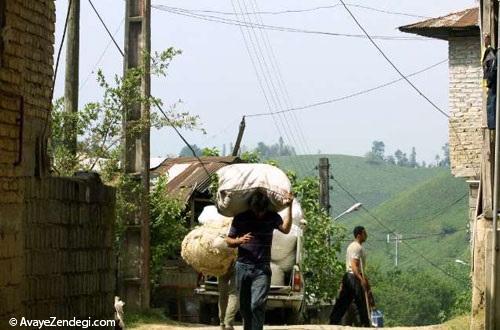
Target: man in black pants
pixel 355 285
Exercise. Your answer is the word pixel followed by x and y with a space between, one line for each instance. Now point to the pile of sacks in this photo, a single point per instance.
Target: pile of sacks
pixel 204 248
pixel 284 248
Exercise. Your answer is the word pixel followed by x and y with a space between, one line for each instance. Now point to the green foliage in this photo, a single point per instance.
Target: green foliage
pixel 168 227
pixel 322 237
pixel 210 152
pixel 413 297
pixel 251 157
pixel 98 126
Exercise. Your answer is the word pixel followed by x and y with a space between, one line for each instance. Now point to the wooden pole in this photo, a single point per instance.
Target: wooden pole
pixel 324 184
pixel 72 75
pixel 236 148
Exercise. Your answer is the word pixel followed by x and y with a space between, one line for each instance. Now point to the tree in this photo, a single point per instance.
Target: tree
pixel 186 152
pixel 391 160
pixel 445 161
pixel 376 154
pixel 401 159
pixel 413 158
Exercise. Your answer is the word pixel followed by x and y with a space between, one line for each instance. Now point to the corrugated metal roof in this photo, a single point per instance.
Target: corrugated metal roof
pixel 462 23
pixel 187 175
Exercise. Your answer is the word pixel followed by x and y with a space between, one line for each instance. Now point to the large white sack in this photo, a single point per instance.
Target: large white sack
pixel 278 275
pixel 286 264
pixel 297 213
pixel 284 244
pixel 210 214
pixel 203 248
pixel 238 182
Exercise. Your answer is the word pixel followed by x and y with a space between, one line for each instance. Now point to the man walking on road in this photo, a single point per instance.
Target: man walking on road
pixel 355 285
pixel 252 233
pixel 228 299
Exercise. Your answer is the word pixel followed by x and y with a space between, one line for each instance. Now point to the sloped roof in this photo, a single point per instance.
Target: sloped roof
pixel 463 23
pixel 187 175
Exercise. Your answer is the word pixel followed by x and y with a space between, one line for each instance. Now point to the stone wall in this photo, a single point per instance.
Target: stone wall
pixel 465 103
pixel 56 249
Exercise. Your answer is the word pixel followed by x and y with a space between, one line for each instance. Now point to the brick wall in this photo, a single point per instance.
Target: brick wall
pixel 56 254
pixel 25 85
pixel 56 234
pixel 465 103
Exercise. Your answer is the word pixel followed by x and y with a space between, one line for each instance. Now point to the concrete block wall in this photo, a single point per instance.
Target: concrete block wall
pixel 56 249
pixel 465 104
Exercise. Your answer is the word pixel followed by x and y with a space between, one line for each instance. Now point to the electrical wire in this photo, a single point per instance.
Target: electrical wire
pixel 349 96
pixel 107 30
pixel 227 21
pixel 56 69
pixel 294 11
pixel 382 224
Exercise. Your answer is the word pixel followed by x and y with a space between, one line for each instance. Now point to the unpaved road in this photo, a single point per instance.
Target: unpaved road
pixel 295 327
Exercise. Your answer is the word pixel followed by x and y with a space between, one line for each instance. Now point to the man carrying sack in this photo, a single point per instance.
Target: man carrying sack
pixel 252 232
pixel 355 285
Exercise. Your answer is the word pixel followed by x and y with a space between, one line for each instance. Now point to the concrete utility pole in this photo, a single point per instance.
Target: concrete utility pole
pixel 72 73
pixel 136 253
pixel 397 239
pixel 324 184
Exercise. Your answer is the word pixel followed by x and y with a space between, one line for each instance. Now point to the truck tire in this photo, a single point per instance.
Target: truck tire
pixel 293 317
pixel 206 314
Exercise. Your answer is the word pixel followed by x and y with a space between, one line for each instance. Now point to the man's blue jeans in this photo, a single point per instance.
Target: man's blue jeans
pixel 253 282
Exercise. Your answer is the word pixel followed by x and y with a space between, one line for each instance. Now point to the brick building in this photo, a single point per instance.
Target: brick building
pixel 56 234
pixel 461 30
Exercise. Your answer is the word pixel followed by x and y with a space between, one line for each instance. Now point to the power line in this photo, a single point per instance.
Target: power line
pixel 274 71
pixel 227 21
pixel 156 102
pixel 294 11
pixel 384 55
pixel 56 69
pixel 101 56
pixel 107 30
pixel 262 79
pixel 351 95
pixel 370 38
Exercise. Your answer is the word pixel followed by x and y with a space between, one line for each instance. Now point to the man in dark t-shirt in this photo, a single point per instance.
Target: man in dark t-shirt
pixel 252 233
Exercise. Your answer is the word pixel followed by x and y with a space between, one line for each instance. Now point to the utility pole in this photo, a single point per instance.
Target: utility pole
pixel 397 239
pixel 324 184
pixel 236 148
pixel 72 74
pixel 134 275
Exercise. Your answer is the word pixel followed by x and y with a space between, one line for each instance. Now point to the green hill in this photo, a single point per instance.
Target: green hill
pixel 428 206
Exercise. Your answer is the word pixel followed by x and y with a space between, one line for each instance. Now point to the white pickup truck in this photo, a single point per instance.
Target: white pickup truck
pixel 287 298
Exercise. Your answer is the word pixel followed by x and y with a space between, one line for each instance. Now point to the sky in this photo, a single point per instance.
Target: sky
pixel 226 72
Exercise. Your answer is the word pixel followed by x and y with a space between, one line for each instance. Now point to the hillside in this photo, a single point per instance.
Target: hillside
pixel 372 184
pixel 428 206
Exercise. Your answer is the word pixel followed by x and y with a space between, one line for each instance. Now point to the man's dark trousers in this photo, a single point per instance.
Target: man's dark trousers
pixel 351 290
pixel 253 282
